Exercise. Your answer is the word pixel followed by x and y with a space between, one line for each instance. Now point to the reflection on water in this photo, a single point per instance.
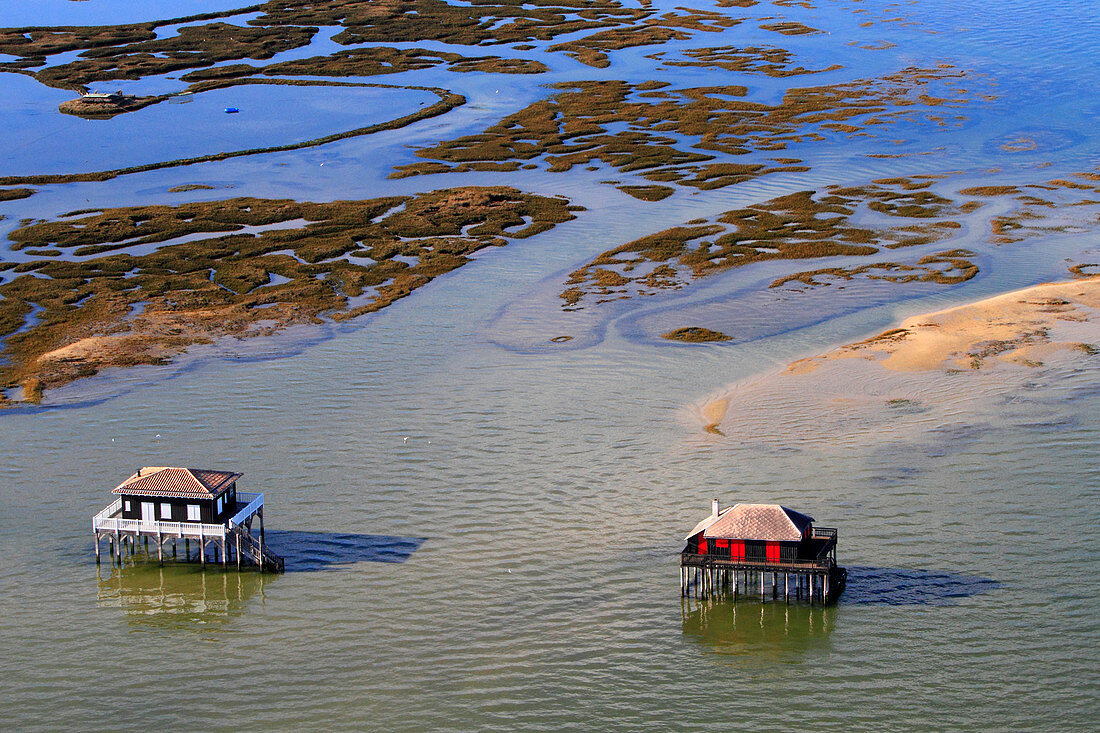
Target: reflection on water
pixel 769 630
pixel 178 596
pixel 308 551
pixel 907 587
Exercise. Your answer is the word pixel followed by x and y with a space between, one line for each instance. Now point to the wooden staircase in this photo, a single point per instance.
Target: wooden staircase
pixel 264 558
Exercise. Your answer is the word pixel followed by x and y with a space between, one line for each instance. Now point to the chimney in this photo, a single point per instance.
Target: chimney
pixel 714 508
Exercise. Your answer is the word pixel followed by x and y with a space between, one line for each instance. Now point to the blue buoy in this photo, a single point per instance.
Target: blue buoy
pixel 231 110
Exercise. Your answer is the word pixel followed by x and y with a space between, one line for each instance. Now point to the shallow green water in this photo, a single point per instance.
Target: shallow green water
pixel 513 563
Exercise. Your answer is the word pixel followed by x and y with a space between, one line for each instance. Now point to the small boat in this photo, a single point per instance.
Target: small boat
pixel 231 110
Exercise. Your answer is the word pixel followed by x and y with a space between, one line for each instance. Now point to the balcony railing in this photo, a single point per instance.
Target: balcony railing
pixel 168 529
pixel 107 521
pixel 255 501
pixel 802 563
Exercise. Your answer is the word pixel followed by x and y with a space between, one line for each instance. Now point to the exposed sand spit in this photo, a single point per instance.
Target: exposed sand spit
pixel 1016 327
pixel 931 371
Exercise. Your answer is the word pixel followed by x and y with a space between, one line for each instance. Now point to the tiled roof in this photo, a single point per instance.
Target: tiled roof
pixel 187 483
pixel 770 522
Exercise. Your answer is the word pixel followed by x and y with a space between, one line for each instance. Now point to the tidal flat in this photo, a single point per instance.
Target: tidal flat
pixel 492 299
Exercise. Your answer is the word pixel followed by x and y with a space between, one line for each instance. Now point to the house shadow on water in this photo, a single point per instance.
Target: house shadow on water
pixel 183 595
pixel 910 587
pixel 313 551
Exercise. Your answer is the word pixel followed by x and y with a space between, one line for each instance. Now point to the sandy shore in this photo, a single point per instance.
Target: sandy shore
pixel 1022 329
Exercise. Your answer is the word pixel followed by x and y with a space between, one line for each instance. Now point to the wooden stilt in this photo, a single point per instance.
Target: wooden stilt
pixel 187 548
pixel 97 548
pixel 761 585
pixel 160 549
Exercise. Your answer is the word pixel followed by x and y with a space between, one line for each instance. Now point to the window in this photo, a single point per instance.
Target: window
pixel 193 513
pixel 126 505
pixel 165 510
pixel 220 500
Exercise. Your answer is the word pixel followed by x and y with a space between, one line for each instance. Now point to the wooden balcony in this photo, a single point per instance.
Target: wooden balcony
pixel 109 520
pixel 817 555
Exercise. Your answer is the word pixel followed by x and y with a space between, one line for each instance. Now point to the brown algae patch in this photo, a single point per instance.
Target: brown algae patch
pixel 695 335
pixel 190 187
pixel 950 267
pixel 593 50
pixel 62 319
pixel 115 104
pixel 791 28
pixel 12 194
pixel 798 226
pixel 135 51
pixel 1040 209
pixel 767 60
pixel 372 61
pixel 648 193
pixel 572 127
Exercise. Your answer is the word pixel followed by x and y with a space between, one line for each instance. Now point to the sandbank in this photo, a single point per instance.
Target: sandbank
pixel 930 367
pixel 1016 327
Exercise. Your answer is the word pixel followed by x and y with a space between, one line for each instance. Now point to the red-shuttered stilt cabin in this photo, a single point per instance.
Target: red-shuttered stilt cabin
pixel 740 548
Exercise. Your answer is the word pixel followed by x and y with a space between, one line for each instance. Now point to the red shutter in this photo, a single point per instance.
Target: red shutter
pixel 737 549
pixel 702 546
pixel 721 543
pixel 772 551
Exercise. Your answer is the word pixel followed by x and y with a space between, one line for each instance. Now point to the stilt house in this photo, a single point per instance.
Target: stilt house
pixel 768 538
pixel 167 504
